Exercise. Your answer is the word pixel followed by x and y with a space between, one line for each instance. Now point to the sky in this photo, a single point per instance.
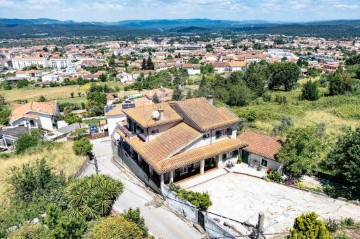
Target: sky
pixel 116 10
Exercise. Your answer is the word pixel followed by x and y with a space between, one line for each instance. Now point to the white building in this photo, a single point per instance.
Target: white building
pixel 169 142
pixel 39 115
pixel 19 63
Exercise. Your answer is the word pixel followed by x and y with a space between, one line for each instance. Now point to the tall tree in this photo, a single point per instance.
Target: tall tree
pixel 150 64
pixel 177 95
pixel 344 159
pixel 143 64
pixel 303 150
pixel 256 76
pixel 284 74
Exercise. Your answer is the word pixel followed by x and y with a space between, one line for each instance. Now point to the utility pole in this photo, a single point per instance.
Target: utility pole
pixel 260 226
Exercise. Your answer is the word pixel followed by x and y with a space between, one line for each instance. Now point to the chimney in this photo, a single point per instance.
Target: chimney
pixel 210 99
pixel 161 113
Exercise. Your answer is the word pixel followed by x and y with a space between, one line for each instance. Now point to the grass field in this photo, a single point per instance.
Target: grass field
pixel 50 93
pixel 75 100
pixel 60 157
pixel 336 112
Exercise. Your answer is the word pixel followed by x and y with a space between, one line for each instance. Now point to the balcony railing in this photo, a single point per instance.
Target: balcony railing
pixel 125 130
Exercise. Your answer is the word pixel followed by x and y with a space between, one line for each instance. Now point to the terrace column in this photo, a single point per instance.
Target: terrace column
pixel 162 178
pixel 172 176
pixel 202 166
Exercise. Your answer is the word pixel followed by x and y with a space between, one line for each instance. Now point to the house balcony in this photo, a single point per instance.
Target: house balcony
pixel 125 130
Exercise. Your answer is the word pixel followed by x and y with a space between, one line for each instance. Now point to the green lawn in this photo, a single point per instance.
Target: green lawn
pixel 75 100
pixel 92 121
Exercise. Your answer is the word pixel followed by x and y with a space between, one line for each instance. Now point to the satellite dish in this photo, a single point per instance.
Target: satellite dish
pixel 155 115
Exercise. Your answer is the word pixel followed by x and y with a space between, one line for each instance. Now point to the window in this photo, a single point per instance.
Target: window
pixel 206 136
pixel 218 134
pixel 229 131
pixel 264 162
pixel 155 131
pixel 183 170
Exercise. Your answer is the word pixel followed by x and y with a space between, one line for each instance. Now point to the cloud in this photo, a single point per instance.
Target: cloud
pixel 355 6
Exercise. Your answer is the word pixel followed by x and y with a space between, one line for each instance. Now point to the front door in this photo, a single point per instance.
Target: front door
pixel 245 157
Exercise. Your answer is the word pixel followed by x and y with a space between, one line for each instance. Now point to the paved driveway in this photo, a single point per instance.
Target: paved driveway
pixel 242 197
pixel 161 222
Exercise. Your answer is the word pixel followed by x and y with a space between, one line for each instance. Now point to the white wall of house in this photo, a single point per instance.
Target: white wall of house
pixel 255 160
pixel 46 122
pixel 112 120
pixel 158 130
pixel 192 71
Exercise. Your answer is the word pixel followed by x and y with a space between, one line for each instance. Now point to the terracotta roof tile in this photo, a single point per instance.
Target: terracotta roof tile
pixel 143 115
pixel 203 114
pixel 261 144
pixel 19 110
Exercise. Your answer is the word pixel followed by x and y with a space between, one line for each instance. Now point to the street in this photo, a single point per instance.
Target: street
pixel 161 221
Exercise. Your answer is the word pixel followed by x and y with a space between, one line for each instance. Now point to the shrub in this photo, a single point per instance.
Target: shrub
pixel 307 226
pixel 116 227
pixel 332 225
pixel 266 97
pixel 347 222
pixel 275 176
pixel 310 91
pixel 27 141
pixel 199 200
pixel 133 215
pixel 82 147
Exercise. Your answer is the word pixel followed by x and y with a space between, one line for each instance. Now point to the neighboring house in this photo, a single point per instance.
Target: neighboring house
pixel 261 150
pixel 30 74
pixel 35 115
pixel 19 63
pixel 237 66
pixel 169 142
pixel 192 69
pixel 163 94
pixel 111 97
pixel 114 113
pixel 10 134
pixel 221 67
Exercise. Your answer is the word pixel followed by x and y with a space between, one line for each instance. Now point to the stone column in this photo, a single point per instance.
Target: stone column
pixel 162 178
pixel 202 166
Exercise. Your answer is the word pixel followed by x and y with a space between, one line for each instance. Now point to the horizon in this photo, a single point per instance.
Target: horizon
pixel 174 19
pixel 231 10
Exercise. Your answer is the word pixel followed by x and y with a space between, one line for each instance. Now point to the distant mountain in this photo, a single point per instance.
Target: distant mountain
pixel 35 28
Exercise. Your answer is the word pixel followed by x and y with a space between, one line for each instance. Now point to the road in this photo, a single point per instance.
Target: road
pixel 161 221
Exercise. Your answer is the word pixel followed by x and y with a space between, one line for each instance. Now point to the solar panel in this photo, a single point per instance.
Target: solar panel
pixel 109 107
pixel 128 106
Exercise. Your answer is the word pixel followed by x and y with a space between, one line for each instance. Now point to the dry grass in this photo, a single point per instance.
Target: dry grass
pixel 50 93
pixel 61 158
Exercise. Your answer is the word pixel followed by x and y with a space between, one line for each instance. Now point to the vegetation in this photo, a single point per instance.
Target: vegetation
pixel 28 141
pixel 82 147
pixel 92 196
pixel 302 151
pixel 199 200
pixel 115 227
pixel 307 226
pixel 343 159
pixel 310 91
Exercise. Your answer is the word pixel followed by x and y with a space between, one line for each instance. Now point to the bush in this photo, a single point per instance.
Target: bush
pixel 27 141
pixel 199 200
pixel 71 118
pixel 266 97
pixel 82 147
pixel 310 91
pixel 347 222
pixel 307 226
pixel 275 176
pixel 115 227
pixel 133 215
pixel 332 225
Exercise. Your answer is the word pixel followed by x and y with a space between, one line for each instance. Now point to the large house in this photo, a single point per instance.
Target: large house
pixel 261 150
pixel 34 115
pixel 169 142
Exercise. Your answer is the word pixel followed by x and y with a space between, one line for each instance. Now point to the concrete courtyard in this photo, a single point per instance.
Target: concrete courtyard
pixel 243 197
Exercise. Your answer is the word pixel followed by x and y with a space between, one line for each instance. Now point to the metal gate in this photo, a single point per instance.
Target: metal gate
pixel 201 219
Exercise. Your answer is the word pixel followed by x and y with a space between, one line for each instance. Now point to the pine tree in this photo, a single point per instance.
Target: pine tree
pixel 143 65
pixel 177 94
pixel 150 64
